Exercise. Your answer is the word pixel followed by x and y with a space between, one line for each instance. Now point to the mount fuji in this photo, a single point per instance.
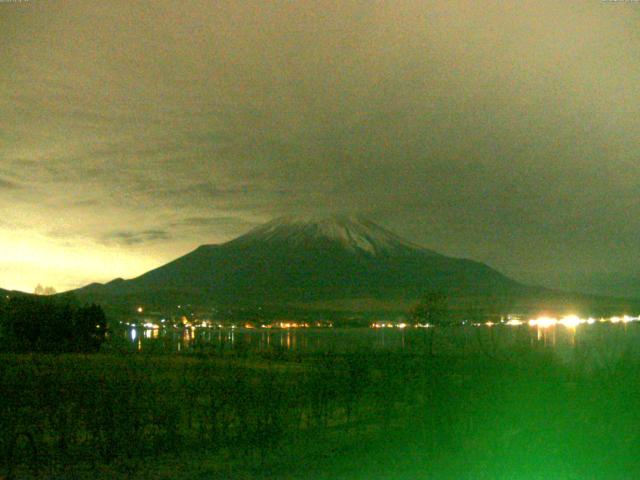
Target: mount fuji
pixel 297 260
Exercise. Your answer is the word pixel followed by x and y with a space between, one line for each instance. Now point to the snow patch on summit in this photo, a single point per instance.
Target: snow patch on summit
pixel 353 233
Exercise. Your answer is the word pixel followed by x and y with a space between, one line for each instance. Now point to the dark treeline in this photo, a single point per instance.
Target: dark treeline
pixel 31 323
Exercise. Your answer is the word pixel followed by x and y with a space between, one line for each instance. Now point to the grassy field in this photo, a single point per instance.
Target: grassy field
pixel 359 415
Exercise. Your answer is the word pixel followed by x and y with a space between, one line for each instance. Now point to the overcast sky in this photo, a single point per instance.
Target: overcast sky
pixel 503 131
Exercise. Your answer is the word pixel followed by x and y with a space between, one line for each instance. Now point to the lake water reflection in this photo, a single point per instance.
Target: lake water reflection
pixel 603 341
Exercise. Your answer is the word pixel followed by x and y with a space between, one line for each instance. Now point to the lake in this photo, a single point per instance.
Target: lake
pixel 602 342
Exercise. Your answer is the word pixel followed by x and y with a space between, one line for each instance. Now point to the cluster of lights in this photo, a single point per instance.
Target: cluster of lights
pixel 542 322
pixel 568 321
pixel 185 323
pixel 193 323
pixel 381 325
pixel 400 325
pixel 291 325
pixel 573 321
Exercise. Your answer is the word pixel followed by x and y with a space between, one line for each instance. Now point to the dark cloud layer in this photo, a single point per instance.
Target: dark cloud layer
pixel 502 131
pixel 133 238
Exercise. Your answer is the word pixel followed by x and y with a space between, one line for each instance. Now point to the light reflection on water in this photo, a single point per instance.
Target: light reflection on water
pixel 605 341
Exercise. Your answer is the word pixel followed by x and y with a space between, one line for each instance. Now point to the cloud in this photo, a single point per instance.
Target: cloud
pixel 505 132
pixel 8 185
pixel 136 237
pixel 205 222
pixel 222 227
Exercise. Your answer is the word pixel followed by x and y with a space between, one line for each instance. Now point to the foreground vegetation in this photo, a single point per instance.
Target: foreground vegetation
pixel 33 323
pixel 349 415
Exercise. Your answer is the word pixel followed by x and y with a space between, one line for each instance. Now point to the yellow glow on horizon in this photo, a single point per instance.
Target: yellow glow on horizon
pixel 27 259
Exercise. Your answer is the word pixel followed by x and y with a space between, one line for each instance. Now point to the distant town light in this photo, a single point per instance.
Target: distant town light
pixel 543 322
pixel 571 321
pixel 140 310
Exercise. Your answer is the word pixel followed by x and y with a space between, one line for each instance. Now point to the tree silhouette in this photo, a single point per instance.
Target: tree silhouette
pixel 36 323
pixel 431 310
pixel 40 290
pixel 90 327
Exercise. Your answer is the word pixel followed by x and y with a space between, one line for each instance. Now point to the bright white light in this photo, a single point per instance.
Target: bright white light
pixel 571 321
pixel 543 322
pixel 514 323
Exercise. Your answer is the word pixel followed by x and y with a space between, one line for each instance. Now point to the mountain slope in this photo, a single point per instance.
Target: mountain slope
pixel 305 260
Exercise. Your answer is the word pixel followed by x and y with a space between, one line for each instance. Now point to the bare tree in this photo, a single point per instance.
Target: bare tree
pixel 40 290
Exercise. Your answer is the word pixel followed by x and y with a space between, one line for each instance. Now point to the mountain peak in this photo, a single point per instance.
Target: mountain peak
pixel 352 232
pixel 305 259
